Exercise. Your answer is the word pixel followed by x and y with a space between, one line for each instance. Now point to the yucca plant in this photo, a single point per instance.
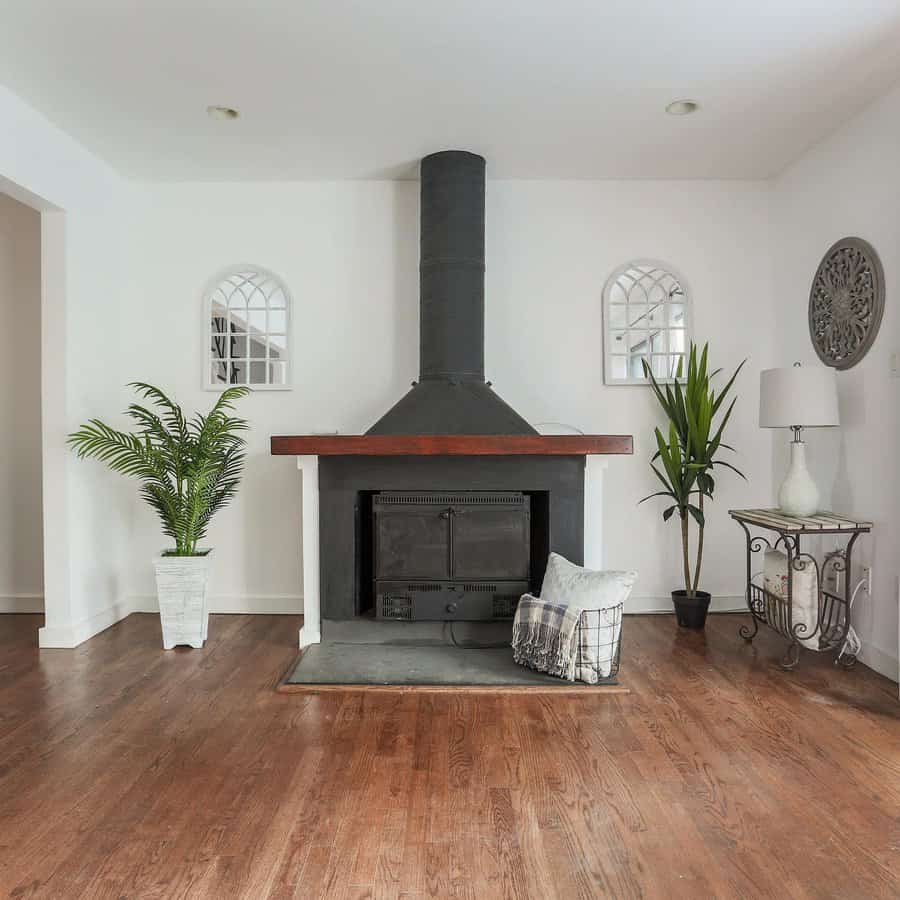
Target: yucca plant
pixel 690 451
pixel 188 468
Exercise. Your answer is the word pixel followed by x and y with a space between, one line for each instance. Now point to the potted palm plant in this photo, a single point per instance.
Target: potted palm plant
pixel 189 469
pixel 689 453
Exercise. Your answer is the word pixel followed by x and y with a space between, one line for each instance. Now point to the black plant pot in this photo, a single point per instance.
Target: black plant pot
pixel 691 611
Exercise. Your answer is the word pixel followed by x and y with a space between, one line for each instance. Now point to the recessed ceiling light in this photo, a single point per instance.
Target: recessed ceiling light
pixel 682 107
pixel 222 113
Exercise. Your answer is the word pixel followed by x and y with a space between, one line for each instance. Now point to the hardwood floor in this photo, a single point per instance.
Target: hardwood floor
pixel 129 772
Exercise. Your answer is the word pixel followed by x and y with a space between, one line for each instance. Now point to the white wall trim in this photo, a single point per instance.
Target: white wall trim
pixel 55 457
pixel 71 636
pixel 311 629
pixel 719 603
pixel 67 637
pixel 291 604
pixel 594 470
pixel 21 603
pixel 880 661
pixel 233 604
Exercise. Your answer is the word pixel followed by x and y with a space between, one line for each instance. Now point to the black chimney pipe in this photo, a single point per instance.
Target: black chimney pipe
pixel 451 396
pixel 451 266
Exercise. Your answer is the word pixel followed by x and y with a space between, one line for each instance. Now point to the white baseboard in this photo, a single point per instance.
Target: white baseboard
pixel 234 604
pixel 719 603
pixel 880 661
pixel 309 635
pixel 282 604
pixel 22 603
pixel 69 636
pixel 292 604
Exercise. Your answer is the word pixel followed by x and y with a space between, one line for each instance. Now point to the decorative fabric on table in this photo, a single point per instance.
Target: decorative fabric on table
pixel 804 594
pixel 573 629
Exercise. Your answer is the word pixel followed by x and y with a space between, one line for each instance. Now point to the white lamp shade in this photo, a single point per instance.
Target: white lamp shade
pixel 800 395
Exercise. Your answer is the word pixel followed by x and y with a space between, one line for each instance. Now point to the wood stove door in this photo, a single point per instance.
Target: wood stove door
pixel 412 542
pixel 491 542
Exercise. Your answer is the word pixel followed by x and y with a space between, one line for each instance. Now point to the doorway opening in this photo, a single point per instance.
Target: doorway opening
pixel 21 518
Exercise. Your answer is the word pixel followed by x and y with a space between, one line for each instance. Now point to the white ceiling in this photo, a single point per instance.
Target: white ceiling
pixel 363 88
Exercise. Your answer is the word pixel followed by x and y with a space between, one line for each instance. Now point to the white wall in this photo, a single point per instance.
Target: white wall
pixel 84 285
pixel 349 254
pixel 21 534
pixel 850 185
pixel 123 266
pixel 550 248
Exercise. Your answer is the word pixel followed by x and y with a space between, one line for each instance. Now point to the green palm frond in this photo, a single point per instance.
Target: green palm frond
pixel 188 468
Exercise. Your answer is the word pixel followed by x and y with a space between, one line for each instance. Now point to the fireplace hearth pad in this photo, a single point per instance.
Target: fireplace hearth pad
pixel 333 665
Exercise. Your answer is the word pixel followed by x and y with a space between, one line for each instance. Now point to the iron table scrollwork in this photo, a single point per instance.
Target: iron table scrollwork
pixel 832 620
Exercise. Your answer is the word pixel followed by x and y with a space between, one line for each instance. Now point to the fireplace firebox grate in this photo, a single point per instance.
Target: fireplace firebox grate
pixel 469 498
pixel 504 605
pixel 416 602
pixel 394 606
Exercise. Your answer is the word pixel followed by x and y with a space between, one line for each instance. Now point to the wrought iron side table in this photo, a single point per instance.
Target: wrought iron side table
pixel 833 619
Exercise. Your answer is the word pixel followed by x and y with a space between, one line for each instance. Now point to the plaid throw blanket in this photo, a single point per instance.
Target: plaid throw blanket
pixel 544 636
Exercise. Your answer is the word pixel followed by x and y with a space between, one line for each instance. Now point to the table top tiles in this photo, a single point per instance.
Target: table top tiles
pixel 824 521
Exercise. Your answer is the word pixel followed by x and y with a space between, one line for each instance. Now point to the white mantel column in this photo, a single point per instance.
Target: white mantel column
pixel 593 511
pixel 311 631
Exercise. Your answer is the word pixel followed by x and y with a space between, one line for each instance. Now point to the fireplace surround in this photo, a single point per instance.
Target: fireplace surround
pixel 348 486
pixel 336 470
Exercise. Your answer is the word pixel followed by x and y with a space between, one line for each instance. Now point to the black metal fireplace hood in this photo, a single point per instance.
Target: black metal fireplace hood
pixel 451 395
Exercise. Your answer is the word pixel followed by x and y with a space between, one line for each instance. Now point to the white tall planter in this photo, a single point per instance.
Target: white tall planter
pixel 181 585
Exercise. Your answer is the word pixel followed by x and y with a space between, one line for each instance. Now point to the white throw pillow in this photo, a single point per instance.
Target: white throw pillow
pixel 571 585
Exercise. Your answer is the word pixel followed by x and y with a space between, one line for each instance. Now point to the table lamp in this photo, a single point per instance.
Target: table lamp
pixel 797 398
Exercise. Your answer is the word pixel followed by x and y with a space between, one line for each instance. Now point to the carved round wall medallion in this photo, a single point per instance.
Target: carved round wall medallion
pixel 846 302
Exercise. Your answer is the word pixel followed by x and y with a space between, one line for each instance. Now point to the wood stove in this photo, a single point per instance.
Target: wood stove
pixel 444 556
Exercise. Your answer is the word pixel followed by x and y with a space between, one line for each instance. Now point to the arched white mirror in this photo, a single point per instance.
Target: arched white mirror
pixel 247 316
pixel 646 316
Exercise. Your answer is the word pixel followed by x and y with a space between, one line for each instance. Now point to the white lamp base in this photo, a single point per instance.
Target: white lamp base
pixel 798 494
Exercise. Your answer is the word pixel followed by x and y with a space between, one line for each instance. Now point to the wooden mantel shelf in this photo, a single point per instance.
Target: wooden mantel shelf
pixel 451 444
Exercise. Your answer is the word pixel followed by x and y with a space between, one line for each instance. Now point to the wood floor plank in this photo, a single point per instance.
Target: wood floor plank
pixel 127 771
